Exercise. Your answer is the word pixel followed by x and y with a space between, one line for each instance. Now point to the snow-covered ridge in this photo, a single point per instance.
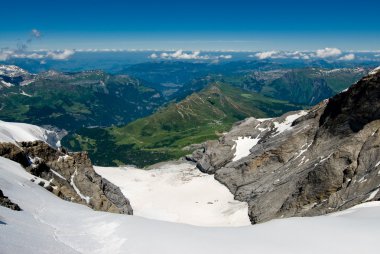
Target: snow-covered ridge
pixel 11 132
pixel 337 70
pixel 12 70
pixel 11 75
pixel 374 71
pixel 48 224
pixel 178 192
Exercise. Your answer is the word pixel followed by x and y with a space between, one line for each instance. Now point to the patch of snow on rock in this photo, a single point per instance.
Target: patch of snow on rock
pixel 372 195
pixel 25 94
pixel 7 84
pixel 72 183
pixel 287 123
pixel 243 145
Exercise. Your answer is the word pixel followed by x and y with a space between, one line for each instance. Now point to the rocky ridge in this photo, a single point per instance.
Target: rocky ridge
pixel 304 163
pixel 11 75
pixel 70 176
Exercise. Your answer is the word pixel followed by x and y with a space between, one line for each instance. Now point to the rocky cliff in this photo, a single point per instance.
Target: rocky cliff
pixel 70 176
pixel 304 163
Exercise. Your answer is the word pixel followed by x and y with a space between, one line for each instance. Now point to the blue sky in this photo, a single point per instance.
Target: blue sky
pixel 204 25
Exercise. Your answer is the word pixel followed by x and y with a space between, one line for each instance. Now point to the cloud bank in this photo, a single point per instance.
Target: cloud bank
pixel 326 53
pixel 182 55
pixel 348 57
pixel 7 54
pixel 21 50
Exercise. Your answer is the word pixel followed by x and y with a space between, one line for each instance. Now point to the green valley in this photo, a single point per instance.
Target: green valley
pixel 168 133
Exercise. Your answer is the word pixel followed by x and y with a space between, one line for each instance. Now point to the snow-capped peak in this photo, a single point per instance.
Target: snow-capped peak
pixel 12 71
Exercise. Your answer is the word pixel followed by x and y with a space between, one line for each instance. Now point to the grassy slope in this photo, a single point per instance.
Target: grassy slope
pixel 163 135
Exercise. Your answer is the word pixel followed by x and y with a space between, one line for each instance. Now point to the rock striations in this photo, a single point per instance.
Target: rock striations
pixel 304 163
pixel 70 176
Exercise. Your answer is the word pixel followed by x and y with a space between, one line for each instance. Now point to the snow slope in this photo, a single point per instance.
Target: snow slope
pixel 17 132
pixel 48 224
pixel 178 192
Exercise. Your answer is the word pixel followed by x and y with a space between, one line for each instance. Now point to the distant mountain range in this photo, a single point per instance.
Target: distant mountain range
pixel 183 103
pixel 73 100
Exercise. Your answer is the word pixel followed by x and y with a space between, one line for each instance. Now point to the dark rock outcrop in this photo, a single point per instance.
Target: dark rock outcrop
pixel 71 176
pixel 326 160
pixel 6 202
pixel 14 153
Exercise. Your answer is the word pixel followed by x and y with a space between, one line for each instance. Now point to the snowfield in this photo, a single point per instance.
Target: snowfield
pixel 17 132
pixel 48 224
pixel 178 192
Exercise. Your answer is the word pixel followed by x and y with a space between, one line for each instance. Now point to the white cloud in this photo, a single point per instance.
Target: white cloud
pixel 153 56
pixel 328 52
pixel 194 55
pixel 304 55
pixel 56 55
pixel 21 50
pixel 266 54
pixel 281 55
pixel 347 57
pixel 61 54
pixel 225 56
pixel 27 55
pixel 179 54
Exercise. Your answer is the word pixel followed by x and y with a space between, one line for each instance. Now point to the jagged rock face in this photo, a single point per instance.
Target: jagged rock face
pixel 326 160
pixel 15 153
pixel 71 175
pixel 350 111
